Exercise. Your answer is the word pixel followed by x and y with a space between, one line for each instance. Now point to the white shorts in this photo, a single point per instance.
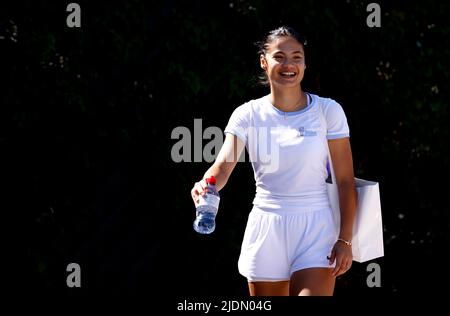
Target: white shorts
pixel 279 242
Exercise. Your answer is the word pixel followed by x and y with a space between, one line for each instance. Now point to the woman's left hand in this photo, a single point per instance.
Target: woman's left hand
pixel 342 253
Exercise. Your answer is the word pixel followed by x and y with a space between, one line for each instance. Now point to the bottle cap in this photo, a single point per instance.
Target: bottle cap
pixel 211 180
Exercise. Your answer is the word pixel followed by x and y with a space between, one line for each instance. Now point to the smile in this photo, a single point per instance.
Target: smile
pixel 288 74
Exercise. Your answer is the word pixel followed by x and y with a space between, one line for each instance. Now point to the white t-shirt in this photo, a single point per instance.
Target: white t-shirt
pixel 288 149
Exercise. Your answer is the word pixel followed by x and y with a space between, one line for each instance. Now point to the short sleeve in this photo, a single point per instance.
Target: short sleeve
pixel 239 122
pixel 337 126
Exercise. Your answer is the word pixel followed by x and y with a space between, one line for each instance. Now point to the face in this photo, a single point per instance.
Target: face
pixel 284 62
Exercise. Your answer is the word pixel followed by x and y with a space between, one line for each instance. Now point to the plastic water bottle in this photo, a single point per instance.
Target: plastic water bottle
pixel 205 222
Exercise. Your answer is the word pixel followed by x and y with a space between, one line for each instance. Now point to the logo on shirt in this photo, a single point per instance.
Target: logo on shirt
pixel 306 132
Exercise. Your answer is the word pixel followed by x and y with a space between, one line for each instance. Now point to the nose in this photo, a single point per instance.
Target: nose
pixel 288 62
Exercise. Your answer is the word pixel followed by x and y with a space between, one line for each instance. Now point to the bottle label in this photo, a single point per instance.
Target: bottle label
pixel 209 199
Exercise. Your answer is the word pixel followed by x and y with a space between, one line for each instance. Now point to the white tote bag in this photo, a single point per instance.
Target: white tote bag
pixel 367 242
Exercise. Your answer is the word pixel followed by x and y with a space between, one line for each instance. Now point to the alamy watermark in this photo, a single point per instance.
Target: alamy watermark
pixel 182 150
pixel 374 18
pixel 374 278
pixel 263 144
pixel 74 277
pixel 74 18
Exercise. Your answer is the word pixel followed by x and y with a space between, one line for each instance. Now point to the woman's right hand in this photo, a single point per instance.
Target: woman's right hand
pixel 198 189
pixel 223 166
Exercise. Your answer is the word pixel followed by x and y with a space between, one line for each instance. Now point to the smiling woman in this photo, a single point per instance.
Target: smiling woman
pixel 290 245
pixel 282 57
pixel 294 48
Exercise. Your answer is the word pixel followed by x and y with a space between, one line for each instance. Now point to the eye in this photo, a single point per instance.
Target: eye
pixel 277 57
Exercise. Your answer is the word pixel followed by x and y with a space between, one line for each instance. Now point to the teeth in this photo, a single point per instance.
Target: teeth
pixel 288 73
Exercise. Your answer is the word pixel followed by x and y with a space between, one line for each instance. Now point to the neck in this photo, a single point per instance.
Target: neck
pixel 288 100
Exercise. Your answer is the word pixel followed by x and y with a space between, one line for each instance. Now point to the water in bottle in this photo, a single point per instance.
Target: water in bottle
pixel 205 222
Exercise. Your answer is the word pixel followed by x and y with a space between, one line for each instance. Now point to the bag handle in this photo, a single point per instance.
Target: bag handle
pixel 330 162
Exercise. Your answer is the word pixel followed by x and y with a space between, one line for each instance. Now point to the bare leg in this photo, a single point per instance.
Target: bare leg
pixel 269 288
pixel 312 282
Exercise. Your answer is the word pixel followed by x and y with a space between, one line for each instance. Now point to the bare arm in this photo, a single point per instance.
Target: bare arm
pixel 341 155
pixel 223 166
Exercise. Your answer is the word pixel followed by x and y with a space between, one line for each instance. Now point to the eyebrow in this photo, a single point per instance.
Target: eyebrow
pixel 295 52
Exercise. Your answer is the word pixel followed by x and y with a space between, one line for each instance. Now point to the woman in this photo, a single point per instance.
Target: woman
pixel 290 245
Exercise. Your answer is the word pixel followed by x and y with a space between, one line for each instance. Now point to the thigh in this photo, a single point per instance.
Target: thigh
pixel 312 282
pixel 269 288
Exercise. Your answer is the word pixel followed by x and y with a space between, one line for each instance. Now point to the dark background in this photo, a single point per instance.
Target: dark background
pixel 87 115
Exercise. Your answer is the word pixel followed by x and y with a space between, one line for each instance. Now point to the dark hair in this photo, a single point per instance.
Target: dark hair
pixel 281 31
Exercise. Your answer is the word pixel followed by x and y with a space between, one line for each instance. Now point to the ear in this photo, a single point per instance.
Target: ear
pixel 263 61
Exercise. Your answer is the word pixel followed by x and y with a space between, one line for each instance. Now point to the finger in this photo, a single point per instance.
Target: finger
pixel 338 266
pixel 341 271
pixel 195 193
pixel 199 189
pixel 348 265
pixel 194 197
pixel 203 186
pixel 345 266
